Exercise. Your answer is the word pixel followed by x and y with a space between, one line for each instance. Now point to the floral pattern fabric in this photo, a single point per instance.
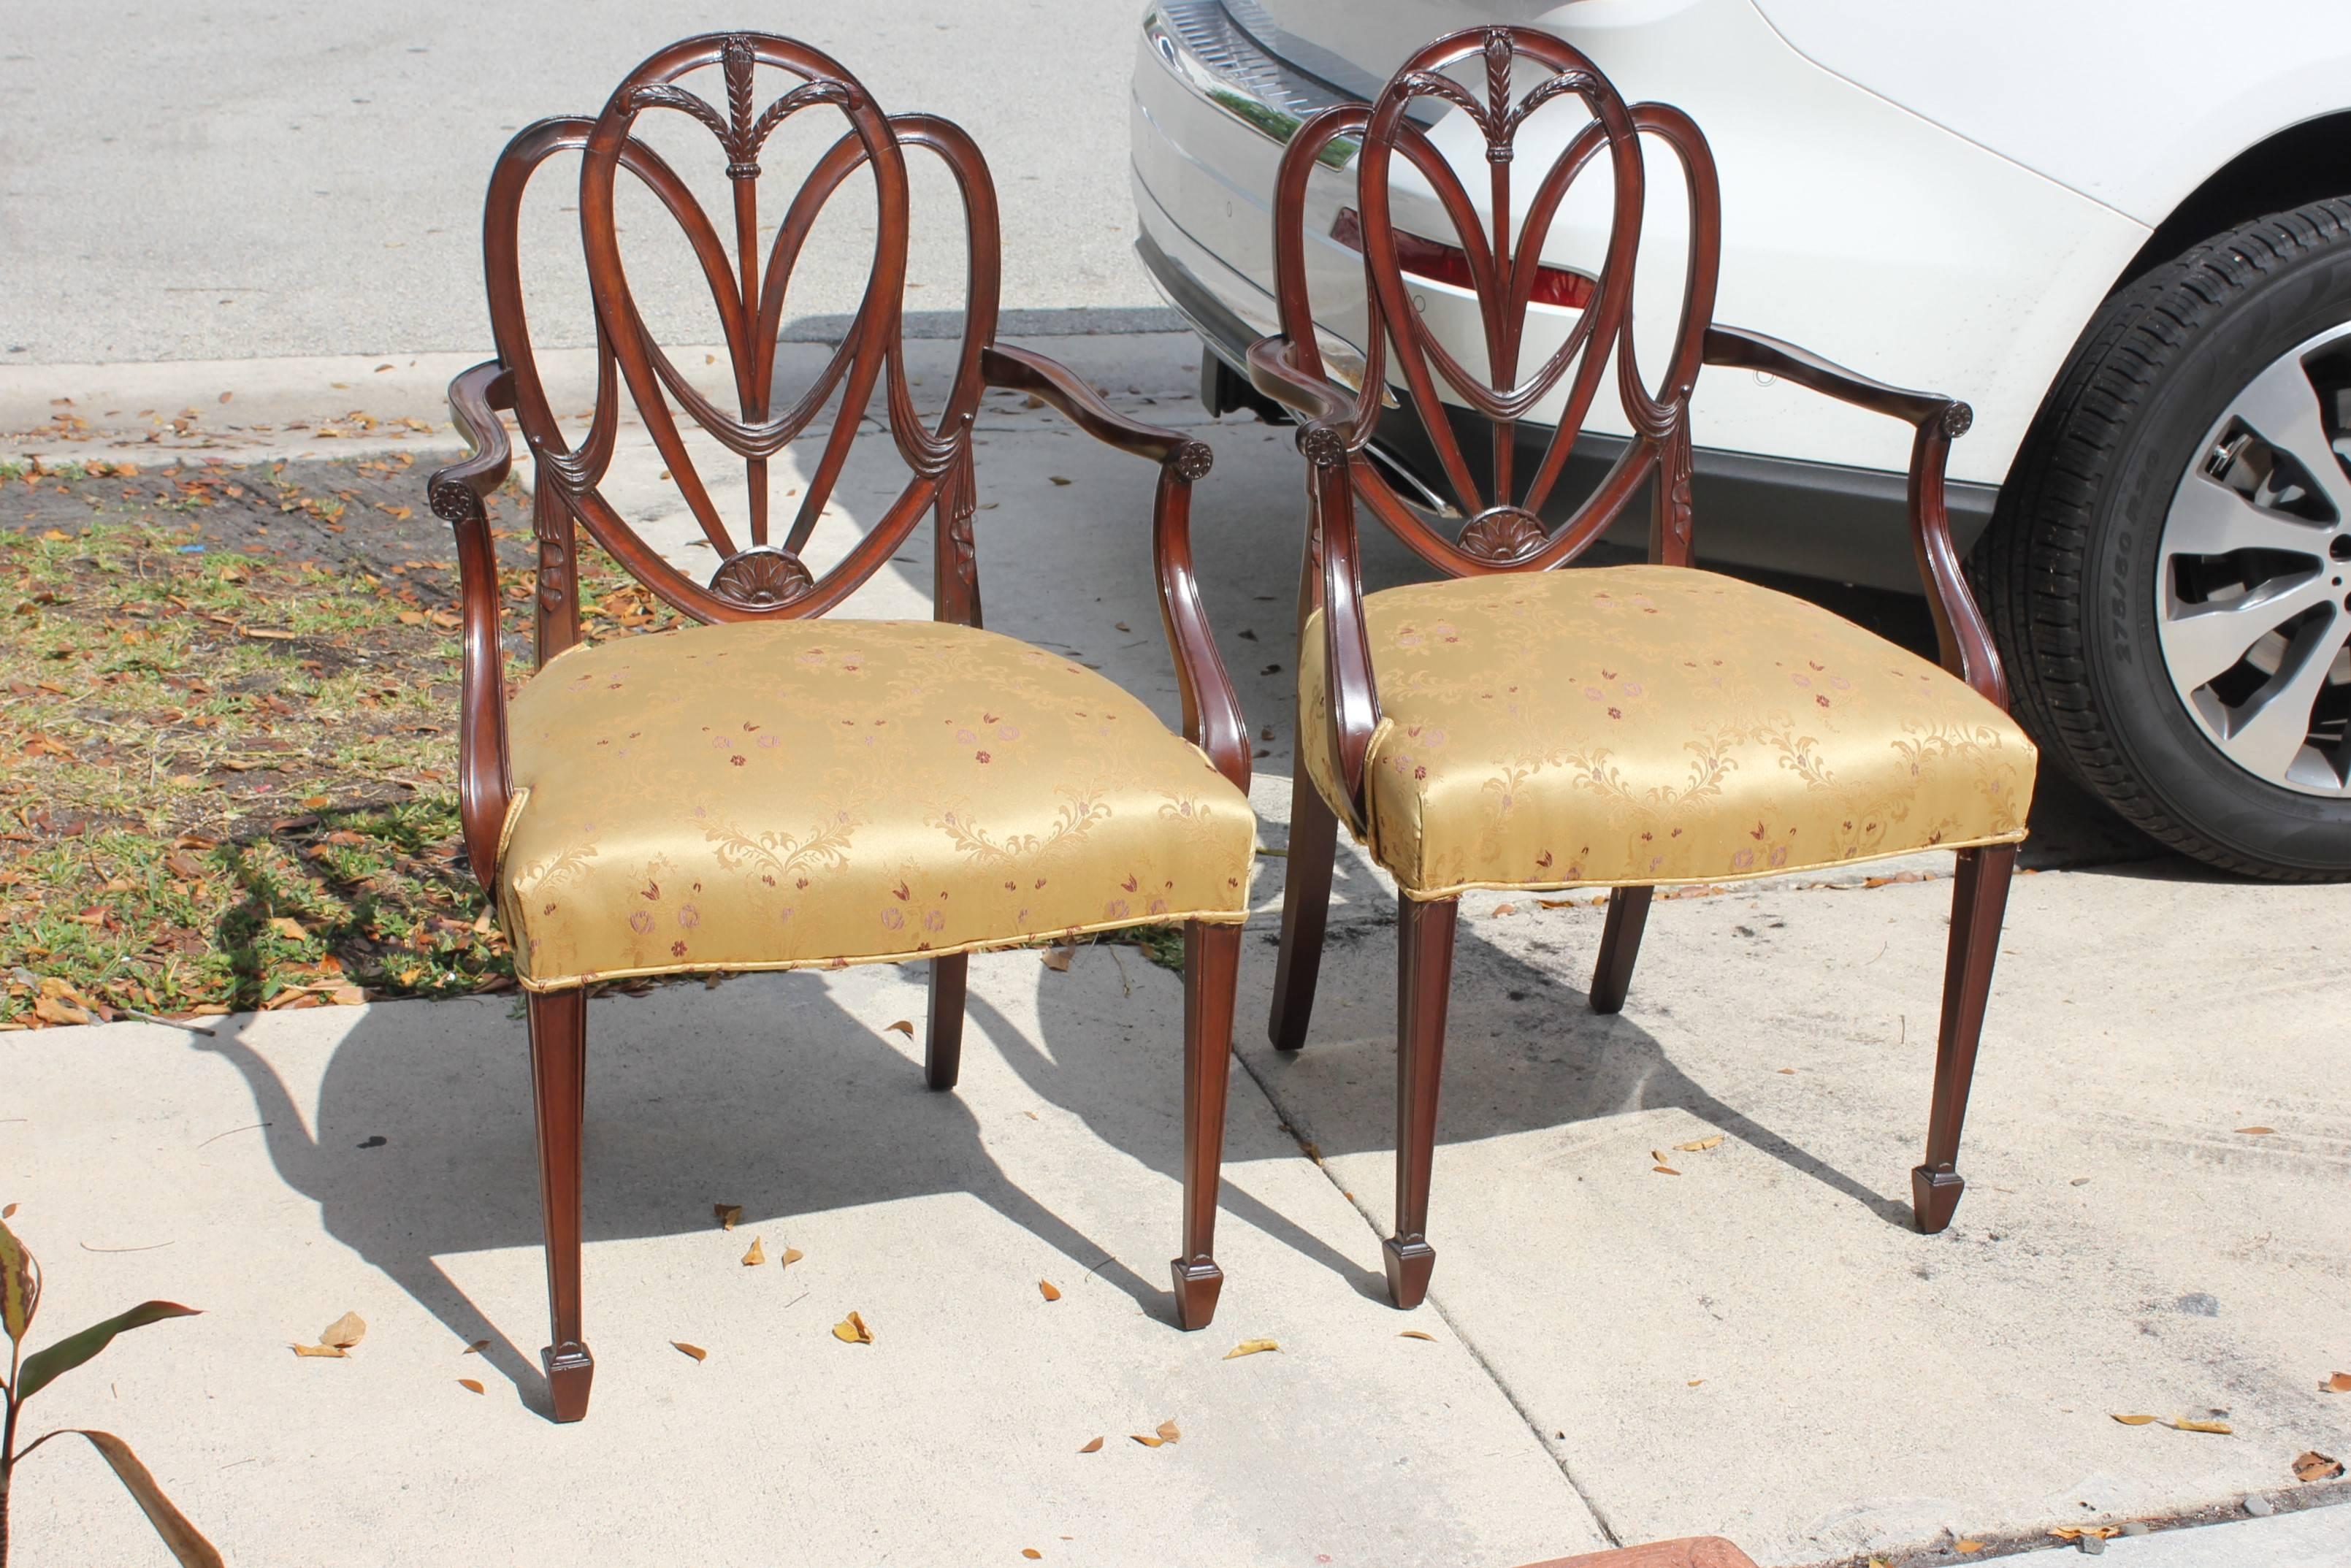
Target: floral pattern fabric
pixel 768 795
pixel 1635 724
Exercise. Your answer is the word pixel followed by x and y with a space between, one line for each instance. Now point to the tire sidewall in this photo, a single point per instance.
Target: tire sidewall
pixel 2163 742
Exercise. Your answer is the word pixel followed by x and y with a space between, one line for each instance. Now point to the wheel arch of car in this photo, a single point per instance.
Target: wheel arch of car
pixel 2301 162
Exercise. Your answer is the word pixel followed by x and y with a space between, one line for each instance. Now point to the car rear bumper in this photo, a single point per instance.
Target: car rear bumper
pixel 1210 113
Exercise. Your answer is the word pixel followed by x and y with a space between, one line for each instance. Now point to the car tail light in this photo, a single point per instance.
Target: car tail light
pixel 1449 264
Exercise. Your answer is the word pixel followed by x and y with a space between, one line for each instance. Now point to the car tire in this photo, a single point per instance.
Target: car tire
pixel 2074 564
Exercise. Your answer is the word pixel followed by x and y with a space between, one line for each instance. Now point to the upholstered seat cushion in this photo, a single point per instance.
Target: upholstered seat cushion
pixel 1647 724
pixel 759 796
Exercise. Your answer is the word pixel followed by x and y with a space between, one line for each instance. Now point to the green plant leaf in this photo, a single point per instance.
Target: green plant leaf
pixel 42 1367
pixel 20 1285
pixel 187 1542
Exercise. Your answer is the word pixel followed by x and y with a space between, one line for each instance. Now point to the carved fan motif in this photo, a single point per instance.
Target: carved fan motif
pixel 1502 534
pixel 761 576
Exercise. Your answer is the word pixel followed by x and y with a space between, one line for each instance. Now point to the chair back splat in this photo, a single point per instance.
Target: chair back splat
pixel 1498 255
pixel 749 282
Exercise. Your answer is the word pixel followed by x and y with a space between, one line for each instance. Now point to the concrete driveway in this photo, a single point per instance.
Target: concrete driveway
pixel 1760 1347
pixel 252 180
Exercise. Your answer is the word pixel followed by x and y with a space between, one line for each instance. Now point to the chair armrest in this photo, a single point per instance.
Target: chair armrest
pixel 1326 410
pixel 1212 709
pixel 458 493
pixel 1960 630
pixel 1024 369
pixel 1332 582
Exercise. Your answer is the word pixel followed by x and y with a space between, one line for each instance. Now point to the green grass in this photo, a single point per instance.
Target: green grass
pixel 229 780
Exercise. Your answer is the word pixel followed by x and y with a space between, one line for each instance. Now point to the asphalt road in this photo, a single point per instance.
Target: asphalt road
pixel 236 179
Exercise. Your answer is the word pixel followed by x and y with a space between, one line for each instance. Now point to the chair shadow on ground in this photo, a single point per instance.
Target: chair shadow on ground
pixel 791 1107
pixel 769 1094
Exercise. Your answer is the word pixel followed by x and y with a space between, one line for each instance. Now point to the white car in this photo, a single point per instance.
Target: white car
pixel 2122 232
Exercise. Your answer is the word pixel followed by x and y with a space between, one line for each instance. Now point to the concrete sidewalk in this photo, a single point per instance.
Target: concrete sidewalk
pixel 1758 1347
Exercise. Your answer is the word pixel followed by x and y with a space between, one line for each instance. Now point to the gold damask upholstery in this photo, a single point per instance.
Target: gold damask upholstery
pixel 768 795
pixel 1635 724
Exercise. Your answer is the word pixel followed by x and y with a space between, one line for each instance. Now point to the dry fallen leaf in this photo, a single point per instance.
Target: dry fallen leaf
pixel 344 1332
pixel 1169 1432
pixel 286 926
pixel 1250 1347
pixel 1058 959
pixel 470 1382
pixel 1789 1070
pixel 1032 1553
pixel 1664 1170
pixel 1092 1448
pixel 2135 1420
pixel 851 1330
pixel 2184 1425
pixel 1699 1145
pixel 330 1350
pixel 1506 909
pixel 1148 1442
pixel 694 1350
pixel 475 1348
pixel 2339 1383
pixel 1047 1288
pixel 10 1213
pixel 1417 1333
pixel 1694 1382
pixel 756 1256
pixel 792 1256
pixel 2259 1132
pixel 1966 1546
pixel 2314 1466
pixel 727 1214
pixel 904 1027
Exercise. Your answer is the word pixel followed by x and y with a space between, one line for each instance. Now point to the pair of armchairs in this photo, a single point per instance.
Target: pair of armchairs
pixel 773 789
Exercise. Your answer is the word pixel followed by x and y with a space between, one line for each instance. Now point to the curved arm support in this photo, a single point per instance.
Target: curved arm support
pixel 1332 582
pixel 458 493
pixel 1023 369
pixel 1326 411
pixel 1961 629
pixel 1212 709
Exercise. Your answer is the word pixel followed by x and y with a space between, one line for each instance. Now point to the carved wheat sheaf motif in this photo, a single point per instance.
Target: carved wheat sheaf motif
pixel 761 398
pixel 738 131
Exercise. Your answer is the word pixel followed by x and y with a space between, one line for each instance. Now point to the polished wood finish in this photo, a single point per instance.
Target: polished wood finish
pixel 1212 956
pixel 1423 985
pixel 1979 901
pixel 1305 908
pixel 1499 238
pixel 559 1085
pixel 943 1037
pixel 763 575
pixel 1620 944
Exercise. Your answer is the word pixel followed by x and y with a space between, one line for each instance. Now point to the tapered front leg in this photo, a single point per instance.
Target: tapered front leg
pixel 558 1081
pixel 1424 984
pixel 1620 945
pixel 943 1047
pixel 1211 963
pixel 1979 902
pixel 1305 908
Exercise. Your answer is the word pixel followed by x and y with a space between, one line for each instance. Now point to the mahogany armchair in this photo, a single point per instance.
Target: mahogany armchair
pixel 1512 725
pixel 765 790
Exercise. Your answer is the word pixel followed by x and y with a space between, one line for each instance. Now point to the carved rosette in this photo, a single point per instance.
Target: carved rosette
pixel 453 501
pixel 1194 459
pixel 1503 535
pixel 1958 420
pixel 1322 445
pixel 761 577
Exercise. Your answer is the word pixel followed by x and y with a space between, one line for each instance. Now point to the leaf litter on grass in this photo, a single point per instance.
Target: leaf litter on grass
pixel 195 820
